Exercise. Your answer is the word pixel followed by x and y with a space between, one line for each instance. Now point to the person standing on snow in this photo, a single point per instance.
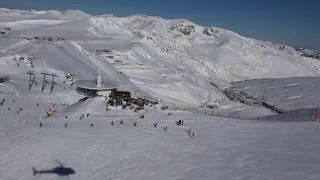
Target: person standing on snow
pixel 40 124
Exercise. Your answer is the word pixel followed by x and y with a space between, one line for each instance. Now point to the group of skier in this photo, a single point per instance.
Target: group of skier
pixel 82 116
pixel 20 109
pixel 180 122
pixel 189 133
pixel 3 101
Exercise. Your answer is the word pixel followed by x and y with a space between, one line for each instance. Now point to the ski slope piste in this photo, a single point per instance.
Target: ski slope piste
pixel 183 66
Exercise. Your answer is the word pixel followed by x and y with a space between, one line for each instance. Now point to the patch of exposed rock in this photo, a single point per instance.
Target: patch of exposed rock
pixel 183 28
pixel 251 100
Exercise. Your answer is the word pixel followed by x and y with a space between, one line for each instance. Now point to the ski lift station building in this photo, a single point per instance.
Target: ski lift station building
pixel 94 87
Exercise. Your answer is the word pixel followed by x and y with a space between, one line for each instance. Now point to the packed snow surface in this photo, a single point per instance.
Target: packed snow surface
pixel 220 148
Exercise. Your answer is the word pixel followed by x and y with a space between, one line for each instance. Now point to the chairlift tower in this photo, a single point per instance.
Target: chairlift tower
pixel 32 79
pixel 45 82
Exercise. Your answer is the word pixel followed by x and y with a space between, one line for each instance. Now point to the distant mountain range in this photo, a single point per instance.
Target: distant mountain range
pixel 173 59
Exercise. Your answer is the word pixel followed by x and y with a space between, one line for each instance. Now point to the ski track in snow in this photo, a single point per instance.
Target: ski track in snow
pixel 244 149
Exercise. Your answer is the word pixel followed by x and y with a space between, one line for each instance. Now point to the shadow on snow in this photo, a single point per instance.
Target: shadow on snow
pixel 59 170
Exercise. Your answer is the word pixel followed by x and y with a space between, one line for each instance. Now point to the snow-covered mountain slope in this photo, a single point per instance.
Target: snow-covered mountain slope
pixel 285 93
pixel 61 57
pixel 28 19
pixel 174 60
pixel 185 66
pixel 16 15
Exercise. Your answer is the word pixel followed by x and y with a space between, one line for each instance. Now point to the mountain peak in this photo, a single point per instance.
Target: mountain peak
pixel 45 14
